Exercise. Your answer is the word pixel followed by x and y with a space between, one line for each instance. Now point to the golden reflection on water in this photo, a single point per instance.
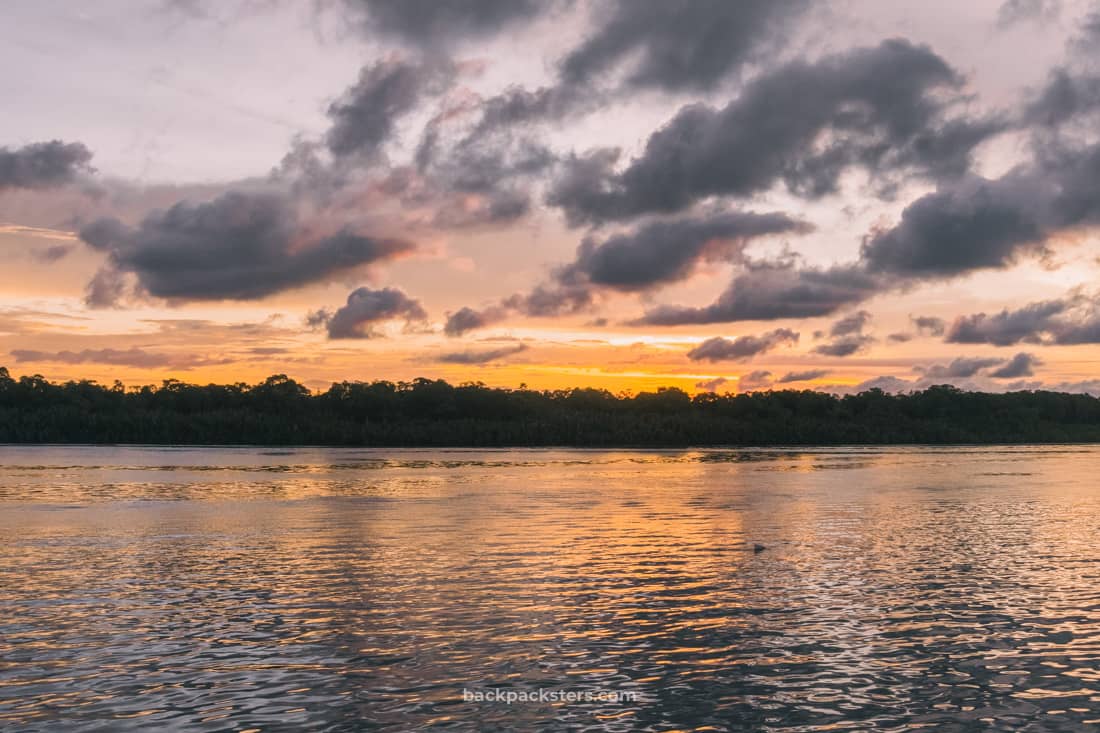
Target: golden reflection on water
pixel 337 589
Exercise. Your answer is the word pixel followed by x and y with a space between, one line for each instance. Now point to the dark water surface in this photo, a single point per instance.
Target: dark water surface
pixel 318 589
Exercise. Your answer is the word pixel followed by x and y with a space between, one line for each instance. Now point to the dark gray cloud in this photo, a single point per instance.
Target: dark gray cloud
pixel 480 357
pixel 776 289
pixel 467 319
pixel 1074 171
pixel 1084 329
pixel 1021 365
pixel 363 118
pixel 959 368
pixel 972 225
pixel 42 165
pixel 53 252
pixel 541 301
pixel 666 251
pixel 1006 328
pixel 474 163
pixel 854 323
pixel 551 300
pixel 1074 319
pixel 1065 96
pixel 930 325
pixel 479 167
pixel 133 357
pixel 1072 89
pixel 845 346
pixel 484 180
pixel 518 107
pixel 1012 12
pixel 899 338
pixel 847 336
pixel 758 379
pixel 679 44
pixel 422 23
pixel 106 289
pixel 1087 41
pixel 881 109
pixel 806 376
pixel 437 198
pixel 239 246
pixel 743 347
pixel 365 309
pixel 477 162
pixel 711 385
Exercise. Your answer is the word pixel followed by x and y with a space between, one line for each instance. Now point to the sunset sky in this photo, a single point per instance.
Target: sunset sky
pixel 617 193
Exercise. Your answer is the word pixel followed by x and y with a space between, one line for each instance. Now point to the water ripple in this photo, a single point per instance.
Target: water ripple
pixel 217 589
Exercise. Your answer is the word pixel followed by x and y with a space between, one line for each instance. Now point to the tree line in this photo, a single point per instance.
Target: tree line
pixel 426 412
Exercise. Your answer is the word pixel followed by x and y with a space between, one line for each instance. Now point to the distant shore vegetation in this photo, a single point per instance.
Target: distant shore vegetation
pixel 433 413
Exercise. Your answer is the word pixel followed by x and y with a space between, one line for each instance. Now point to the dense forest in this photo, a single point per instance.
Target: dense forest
pixel 427 412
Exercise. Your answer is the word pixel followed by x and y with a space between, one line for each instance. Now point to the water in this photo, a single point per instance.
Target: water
pixel 318 589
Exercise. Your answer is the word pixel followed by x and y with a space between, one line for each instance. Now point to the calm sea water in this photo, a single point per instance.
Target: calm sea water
pixel 318 589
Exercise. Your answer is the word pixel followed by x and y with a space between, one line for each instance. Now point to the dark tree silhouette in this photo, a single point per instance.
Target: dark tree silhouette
pixel 427 412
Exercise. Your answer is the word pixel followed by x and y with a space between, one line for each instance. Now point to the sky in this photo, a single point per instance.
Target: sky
pixel 621 194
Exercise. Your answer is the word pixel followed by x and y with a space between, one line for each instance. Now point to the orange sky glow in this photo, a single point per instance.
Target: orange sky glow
pixel 550 199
